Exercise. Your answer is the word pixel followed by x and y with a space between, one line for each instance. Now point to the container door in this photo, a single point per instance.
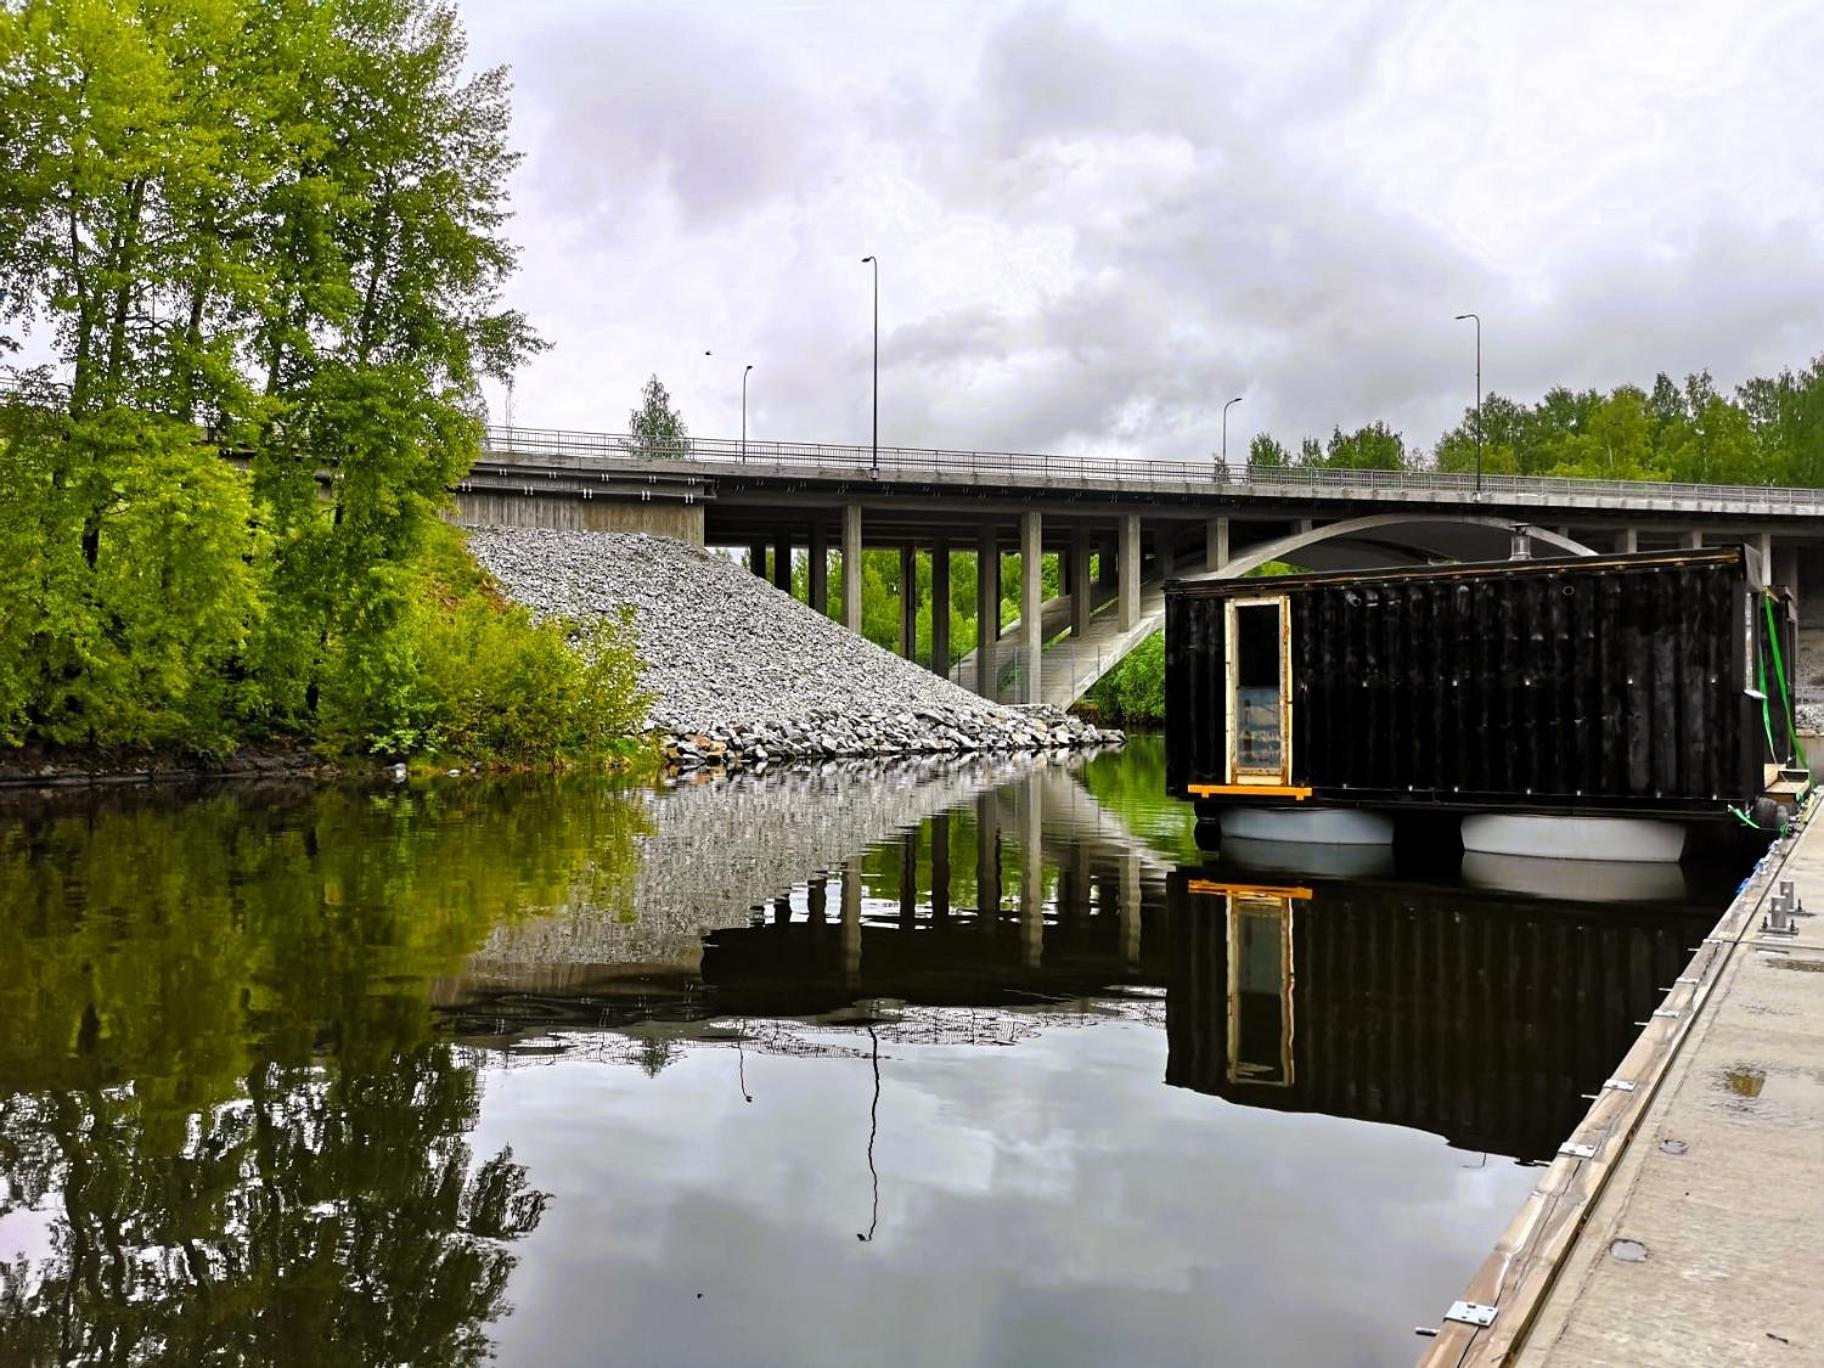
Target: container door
pixel 1260 691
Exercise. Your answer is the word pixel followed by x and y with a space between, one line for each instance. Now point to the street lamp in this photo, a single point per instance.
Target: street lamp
pixel 1225 429
pixel 1478 317
pixel 875 468
pixel 750 366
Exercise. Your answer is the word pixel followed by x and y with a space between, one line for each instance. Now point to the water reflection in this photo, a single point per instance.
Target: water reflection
pixel 339 1067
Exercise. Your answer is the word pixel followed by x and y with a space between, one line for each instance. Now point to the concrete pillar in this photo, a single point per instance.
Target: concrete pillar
pixel 940 606
pixel 820 568
pixel 782 562
pixel 1032 873
pixel 1786 573
pixel 1627 541
pixel 1105 566
pixel 908 879
pixel 1032 588
pixel 1128 576
pixel 851 567
pixel 1304 524
pixel 1215 544
pixel 987 610
pixel 908 602
pixel 1077 584
pixel 1162 552
pixel 1691 541
pixel 851 921
pixel 1762 542
pixel 756 558
pixel 816 900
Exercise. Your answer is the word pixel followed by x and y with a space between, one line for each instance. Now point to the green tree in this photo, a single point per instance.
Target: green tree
pixel 1265 451
pixel 655 430
pixel 1374 447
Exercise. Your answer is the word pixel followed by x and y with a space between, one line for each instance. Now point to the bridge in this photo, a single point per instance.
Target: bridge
pixel 1120 528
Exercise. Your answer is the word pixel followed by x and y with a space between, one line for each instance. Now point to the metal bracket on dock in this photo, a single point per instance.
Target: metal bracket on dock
pixel 1782 907
pixel 1471 1313
pixel 1666 1012
pixel 1572 1150
pixel 1619 1084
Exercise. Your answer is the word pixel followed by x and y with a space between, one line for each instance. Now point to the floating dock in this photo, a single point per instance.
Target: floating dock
pixel 1682 1221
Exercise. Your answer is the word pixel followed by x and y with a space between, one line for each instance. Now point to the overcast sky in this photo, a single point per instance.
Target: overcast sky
pixel 1097 222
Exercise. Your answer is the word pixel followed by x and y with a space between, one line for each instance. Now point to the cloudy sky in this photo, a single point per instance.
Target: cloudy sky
pixel 1096 222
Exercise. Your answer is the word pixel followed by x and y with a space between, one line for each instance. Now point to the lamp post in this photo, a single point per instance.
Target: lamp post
pixel 750 366
pixel 1225 429
pixel 1478 317
pixel 875 468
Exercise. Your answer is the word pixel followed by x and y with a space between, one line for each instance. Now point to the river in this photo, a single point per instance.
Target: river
pixel 932 1064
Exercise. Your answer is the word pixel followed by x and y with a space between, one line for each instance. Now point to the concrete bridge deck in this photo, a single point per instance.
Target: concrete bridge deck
pixel 1137 522
pixel 1692 1229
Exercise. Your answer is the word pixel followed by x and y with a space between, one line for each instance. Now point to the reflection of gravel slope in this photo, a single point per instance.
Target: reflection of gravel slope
pixel 717 849
pixel 730 657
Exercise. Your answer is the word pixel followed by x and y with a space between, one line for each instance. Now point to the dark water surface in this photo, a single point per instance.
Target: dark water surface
pixel 936 1065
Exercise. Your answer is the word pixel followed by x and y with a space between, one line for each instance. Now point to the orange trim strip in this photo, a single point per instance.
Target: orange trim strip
pixel 1257 790
pixel 1247 889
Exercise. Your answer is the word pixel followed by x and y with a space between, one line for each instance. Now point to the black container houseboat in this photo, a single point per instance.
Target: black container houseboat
pixel 1655 685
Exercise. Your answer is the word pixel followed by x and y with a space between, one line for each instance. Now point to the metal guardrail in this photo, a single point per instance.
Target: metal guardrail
pixel 519 445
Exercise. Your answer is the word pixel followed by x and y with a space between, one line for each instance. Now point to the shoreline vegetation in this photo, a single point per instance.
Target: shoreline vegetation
pixel 273 233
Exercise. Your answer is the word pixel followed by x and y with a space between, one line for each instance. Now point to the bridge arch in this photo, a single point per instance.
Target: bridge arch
pixel 1392 539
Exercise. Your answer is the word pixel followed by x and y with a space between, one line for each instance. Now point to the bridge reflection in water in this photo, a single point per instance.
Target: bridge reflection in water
pixel 1481 1017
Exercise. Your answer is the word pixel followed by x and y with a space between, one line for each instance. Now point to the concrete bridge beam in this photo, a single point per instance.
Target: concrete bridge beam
pixel 1127 576
pixel 820 569
pixel 1032 591
pixel 987 611
pixel 851 567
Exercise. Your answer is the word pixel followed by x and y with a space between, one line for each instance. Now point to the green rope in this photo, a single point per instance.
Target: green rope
pixel 1779 665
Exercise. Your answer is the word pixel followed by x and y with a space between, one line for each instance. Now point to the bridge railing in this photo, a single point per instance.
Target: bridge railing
pixel 584 450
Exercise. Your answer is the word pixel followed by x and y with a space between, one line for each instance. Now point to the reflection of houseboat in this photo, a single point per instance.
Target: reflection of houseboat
pixel 1654 685
pixel 1384 1002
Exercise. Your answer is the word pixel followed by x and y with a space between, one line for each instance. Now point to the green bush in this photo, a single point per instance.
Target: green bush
pixel 1133 693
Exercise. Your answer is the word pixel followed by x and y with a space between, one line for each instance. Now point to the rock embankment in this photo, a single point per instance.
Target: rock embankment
pixel 744 674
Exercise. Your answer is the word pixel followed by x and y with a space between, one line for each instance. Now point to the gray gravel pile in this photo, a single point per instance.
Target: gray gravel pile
pixel 744 674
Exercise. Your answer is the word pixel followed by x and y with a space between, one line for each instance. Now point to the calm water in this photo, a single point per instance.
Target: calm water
pixel 948 1066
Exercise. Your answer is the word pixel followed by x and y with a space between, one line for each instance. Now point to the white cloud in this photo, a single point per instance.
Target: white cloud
pixel 1096 224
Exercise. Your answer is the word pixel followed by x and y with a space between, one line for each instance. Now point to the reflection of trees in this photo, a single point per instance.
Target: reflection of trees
pixel 219 1081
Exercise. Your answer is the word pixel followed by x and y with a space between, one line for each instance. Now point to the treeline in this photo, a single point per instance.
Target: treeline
pixel 264 241
pixel 1769 431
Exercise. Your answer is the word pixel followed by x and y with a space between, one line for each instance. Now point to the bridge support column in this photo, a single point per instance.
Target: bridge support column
pixel 940 606
pixel 1627 541
pixel 908 602
pixel 782 562
pixel 820 569
pixel 1105 567
pixel 1691 541
pixel 1078 585
pixel 1032 590
pixel 851 567
pixel 1762 542
pixel 1128 576
pixel 756 559
pixel 1215 544
pixel 987 611
pixel 1162 552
